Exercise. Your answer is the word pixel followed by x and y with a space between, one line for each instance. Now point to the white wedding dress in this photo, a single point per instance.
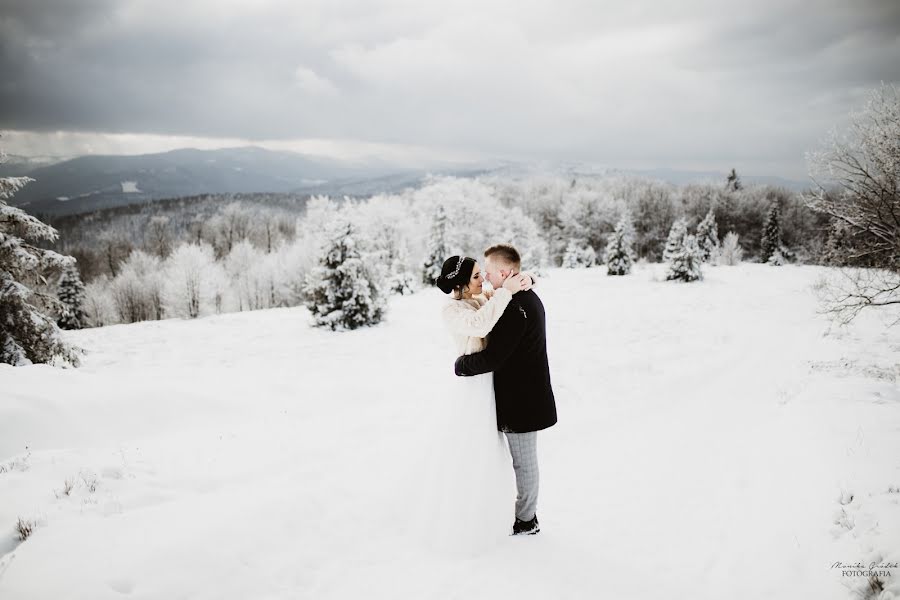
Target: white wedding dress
pixel 467 488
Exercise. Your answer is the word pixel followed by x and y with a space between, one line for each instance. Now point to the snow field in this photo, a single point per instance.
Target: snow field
pixel 711 435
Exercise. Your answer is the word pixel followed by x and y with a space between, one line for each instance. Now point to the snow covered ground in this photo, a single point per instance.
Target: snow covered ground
pixel 716 440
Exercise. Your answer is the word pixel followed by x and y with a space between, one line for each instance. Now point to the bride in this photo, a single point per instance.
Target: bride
pixel 469 486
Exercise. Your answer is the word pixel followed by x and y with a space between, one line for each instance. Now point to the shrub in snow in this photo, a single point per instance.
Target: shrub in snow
pixel 708 236
pixel 675 241
pixel 71 296
pixel 620 249
pixel 195 282
pixel 777 258
pixel 579 254
pixel 438 249
pixel 731 252
pixel 345 290
pixel 684 264
pixel 27 334
pixel 771 236
pixel 24 529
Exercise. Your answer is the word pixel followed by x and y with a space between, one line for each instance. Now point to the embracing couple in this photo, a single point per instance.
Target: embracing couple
pixel 500 338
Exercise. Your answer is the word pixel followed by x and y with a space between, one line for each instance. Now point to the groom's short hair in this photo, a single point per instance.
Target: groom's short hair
pixel 505 253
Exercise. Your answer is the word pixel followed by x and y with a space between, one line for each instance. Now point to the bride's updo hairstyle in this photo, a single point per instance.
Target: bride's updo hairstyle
pixel 455 275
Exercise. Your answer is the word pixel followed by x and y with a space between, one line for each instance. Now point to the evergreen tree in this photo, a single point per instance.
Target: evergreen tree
pixel 733 183
pixel 708 236
pixel 620 249
pixel 438 248
pixel 344 291
pixel 684 263
pixel 27 334
pixel 675 240
pixel 838 244
pixel 579 255
pixel 771 237
pixel 71 295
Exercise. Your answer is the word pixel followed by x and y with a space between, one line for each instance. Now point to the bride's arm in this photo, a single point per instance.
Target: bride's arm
pixel 476 323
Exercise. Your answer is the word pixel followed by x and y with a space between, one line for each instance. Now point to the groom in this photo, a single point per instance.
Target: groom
pixel 517 354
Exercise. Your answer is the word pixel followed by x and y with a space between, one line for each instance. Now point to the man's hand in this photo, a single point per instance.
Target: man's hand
pixel 456 367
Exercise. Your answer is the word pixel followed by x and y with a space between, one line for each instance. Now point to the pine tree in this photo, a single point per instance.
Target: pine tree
pixel 579 255
pixel 684 263
pixel 438 248
pixel 771 237
pixel 675 240
pixel 733 182
pixel 27 334
pixel 620 249
pixel 344 291
pixel 71 295
pixel 708 236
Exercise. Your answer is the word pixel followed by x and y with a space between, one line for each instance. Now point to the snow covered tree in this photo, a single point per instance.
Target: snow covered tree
pixel 345 290
pixel 438 249
pixel 137 291
pixel 675 241
pixel 771 237
pixel 684 263
pixel 620 249
pixel 401 281
pixel 71 296
pixel 27 334
pixel 777 259
pixel 579 255
pixel 708 236
pixel 857 176
pixel 194 282
pixel 731 252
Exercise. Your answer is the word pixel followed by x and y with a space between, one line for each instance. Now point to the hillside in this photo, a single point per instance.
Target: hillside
pixel 715 440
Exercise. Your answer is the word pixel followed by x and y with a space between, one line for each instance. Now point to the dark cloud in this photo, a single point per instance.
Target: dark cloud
pixel 584 80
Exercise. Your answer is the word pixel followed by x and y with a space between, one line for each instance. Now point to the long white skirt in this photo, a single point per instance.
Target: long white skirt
pixel 466 502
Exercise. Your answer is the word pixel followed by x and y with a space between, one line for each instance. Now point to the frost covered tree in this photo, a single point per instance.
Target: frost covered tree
pixel 579 255
pixel 71 296
pixel 401 280
pixel 620 249
pixel 675 241
pixel 857 177
pixel 345 290
pixel 438 249
pixel 708 236
pixel 195 282
pixel 138 288
pixel 27 334
pixel 731 252
pixel 771 236
pixel 684 263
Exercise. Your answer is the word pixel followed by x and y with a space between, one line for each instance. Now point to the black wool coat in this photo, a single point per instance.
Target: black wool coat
pixel 517 354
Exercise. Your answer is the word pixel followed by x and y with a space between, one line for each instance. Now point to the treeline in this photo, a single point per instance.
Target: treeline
pixel 211 254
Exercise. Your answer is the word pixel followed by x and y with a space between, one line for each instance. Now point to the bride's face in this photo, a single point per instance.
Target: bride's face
pixel 475 282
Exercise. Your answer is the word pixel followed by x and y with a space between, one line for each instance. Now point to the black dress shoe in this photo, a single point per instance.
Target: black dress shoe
pixel 521 527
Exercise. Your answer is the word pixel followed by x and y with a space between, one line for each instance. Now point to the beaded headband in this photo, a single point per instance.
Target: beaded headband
pixel 458 266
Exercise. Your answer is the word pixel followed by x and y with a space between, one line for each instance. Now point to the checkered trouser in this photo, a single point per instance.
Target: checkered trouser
pixel 523 447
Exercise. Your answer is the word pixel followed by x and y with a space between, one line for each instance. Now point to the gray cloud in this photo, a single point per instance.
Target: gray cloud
pixel 651 82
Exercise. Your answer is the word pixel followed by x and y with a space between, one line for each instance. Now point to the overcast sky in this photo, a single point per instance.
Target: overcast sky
pixel 691 84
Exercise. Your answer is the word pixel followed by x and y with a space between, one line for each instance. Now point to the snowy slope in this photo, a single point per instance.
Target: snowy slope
pixel 711 436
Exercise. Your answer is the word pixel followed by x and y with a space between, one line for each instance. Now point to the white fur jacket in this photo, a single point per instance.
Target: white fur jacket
pixel 470 320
